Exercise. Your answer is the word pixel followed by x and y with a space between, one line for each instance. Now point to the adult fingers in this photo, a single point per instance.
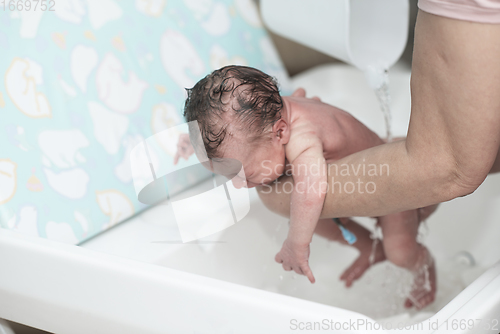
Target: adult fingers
pixel 299 92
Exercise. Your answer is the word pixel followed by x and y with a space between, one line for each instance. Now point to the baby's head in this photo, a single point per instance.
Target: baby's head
pixel 239 112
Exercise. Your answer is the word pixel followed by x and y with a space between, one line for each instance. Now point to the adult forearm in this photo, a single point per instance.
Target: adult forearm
pixel 374 182
pixel 395 180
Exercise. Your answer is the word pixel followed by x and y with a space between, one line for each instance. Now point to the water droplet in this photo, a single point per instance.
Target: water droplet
pixel 281 277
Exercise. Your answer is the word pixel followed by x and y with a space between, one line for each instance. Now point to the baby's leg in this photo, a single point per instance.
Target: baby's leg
pixel 401 248
pixel 328 229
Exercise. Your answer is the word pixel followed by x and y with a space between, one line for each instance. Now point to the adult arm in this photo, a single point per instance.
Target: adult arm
pixel 454 132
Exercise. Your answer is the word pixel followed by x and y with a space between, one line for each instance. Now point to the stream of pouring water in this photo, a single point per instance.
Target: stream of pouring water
pixel 378 78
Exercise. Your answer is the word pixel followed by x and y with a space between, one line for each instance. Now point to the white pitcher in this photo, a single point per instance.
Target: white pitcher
pixel 364 33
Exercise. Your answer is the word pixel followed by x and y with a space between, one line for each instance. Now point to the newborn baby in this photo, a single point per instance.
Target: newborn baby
pixel 241 115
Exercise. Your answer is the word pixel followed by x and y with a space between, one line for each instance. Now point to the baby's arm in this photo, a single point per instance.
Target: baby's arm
pixel 309 175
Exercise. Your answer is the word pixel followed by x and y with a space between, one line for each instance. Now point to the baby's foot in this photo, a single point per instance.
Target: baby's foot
pixel 362 263
pixel 424 281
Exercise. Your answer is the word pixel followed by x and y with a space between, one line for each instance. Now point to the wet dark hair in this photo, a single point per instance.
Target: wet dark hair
pixel 233 94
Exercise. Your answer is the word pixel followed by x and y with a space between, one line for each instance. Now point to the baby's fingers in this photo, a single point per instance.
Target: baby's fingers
pixel 307 271
pixel 278 258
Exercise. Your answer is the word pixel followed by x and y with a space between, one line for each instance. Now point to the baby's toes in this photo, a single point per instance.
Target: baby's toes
pixel 351 276
pixel 420 298
pixel 426 300
pixel 354 272
pixel 408 303
pixel 354 275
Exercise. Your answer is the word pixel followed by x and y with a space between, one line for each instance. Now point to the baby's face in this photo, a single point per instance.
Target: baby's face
pixel 262 162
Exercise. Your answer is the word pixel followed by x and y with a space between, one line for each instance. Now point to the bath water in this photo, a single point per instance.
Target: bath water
pixel 382 290
pixel 378 79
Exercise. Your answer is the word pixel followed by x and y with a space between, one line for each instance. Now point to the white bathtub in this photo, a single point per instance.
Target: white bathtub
pixel 139 278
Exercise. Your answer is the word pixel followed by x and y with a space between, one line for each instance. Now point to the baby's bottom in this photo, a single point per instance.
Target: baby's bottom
pixel 399 245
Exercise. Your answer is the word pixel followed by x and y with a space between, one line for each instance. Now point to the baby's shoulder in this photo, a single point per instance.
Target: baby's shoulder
pixel 312 110
pixel 304 135
pixel 312 116
pixel 318 123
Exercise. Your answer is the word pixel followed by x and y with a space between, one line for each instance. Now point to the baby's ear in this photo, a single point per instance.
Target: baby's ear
pixel 281 130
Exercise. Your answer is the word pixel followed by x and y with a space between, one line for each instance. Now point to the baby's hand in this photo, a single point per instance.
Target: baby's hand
pixel 184 148
pixel 295 257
